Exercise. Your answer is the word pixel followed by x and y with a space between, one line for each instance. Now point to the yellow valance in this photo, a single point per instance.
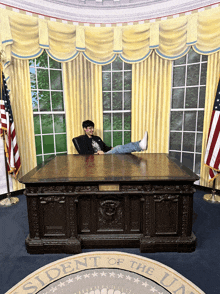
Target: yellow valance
pixel 25 37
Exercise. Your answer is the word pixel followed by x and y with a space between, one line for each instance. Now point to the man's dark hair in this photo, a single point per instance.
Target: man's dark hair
pixel 87 123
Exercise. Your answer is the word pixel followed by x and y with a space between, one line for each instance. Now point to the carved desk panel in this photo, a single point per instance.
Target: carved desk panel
pixel 104 201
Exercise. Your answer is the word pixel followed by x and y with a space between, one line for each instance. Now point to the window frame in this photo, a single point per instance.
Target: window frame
pixel 184 109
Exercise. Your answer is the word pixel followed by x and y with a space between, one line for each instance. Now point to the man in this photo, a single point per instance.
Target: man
pixel 91 144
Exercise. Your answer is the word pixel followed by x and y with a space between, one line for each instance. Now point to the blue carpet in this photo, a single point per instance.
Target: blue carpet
pixel 202 267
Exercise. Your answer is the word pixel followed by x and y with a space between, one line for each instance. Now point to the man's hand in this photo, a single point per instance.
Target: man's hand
pixel 100 152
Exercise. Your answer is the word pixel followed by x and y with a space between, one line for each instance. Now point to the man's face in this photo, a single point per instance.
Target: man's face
pixel 89 131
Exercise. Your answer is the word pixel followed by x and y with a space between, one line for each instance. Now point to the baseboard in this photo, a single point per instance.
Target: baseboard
pixel 14 193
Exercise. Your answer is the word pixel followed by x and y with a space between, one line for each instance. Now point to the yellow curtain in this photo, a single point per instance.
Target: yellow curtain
pixel 25 37
pixel 151 96
pixel 213 71
pixel 83 97
pixel 20 98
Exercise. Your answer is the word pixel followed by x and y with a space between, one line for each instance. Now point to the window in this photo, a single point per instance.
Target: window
pixel 116 87
pixel 187 109
pixel 48 107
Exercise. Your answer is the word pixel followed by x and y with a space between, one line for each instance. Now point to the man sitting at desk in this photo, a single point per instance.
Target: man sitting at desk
pixel 91 144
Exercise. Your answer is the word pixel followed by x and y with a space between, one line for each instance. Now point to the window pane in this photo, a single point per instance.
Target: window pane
pixel 57 101
pixel 127 100
pixel 117 121
pixel 36 124
pixel 127 66
pixel 48 144
pixel 202 97
pixel 175 141
pixel 176 155
pixel 127 137
pixel 33 78
pixel 178 98
pixel 117 100
pixel 176 120
pixel 117 64
pixel 191 97
pixel 181 60
pixel 203 74
pixel 44 100
pixel 179 76
pixel 199 142
pixel 188 141
pixel 49 157
pixel 56 79
pixel 38 145
pixel 60 142
pixel 193 56
pixel 41 61
pixel 198 163
pixel 42 79
pixel 34 101
pixel 107 138
pixel 200 121
pixel 189 120
pixel 117 138
pixel 127 80
pixel 188 160
pixel 39 159
pixel 106 101
pixel 204 57
pixel 59 123
pixel 116 81
pixel 127 121
pixel 54 64
pixel 192 75
pixel 106 81
pixel 31 62
pixel 106 67
pixel 47 123
pixel 107 121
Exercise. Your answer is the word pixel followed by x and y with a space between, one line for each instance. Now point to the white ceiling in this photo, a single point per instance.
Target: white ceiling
pixel 108 11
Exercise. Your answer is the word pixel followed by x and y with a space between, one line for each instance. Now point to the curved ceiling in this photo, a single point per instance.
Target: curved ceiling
pixel 108 11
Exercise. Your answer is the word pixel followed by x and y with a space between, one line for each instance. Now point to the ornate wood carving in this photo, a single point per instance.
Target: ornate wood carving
pixel 72 217
pixel 110 214
pixel 47 199
pixel 147 216
pixel 34 216
pixel 86 189
pixel 166 197
pixel 186 226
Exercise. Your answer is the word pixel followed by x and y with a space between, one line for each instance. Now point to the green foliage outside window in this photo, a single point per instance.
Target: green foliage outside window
pixel 48 107
pixel 187 109
pixel 116 87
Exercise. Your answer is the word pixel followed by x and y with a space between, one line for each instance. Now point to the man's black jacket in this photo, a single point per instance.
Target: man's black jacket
pixel 83 144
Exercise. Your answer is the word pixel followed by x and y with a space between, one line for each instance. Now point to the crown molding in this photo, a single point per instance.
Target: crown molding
pixel 140 11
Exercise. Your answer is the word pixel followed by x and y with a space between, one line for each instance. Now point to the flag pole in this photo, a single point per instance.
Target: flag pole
pixel 9 201
pixel 212 198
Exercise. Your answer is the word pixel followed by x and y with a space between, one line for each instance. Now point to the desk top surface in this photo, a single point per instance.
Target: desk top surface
pixel 109 168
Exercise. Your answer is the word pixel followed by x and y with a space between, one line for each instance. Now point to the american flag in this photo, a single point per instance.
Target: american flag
pixel 212 155
pixel 8 130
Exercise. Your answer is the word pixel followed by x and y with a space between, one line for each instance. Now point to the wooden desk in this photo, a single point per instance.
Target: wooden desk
pixel 114 200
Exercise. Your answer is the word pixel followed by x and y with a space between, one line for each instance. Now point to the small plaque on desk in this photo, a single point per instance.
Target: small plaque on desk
pixel 109 187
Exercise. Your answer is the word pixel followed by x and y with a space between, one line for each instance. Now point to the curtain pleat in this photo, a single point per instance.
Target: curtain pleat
pixel 21 103
pixel 27 36
pixel 213 71
pixel 151 95
pixel 83 97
